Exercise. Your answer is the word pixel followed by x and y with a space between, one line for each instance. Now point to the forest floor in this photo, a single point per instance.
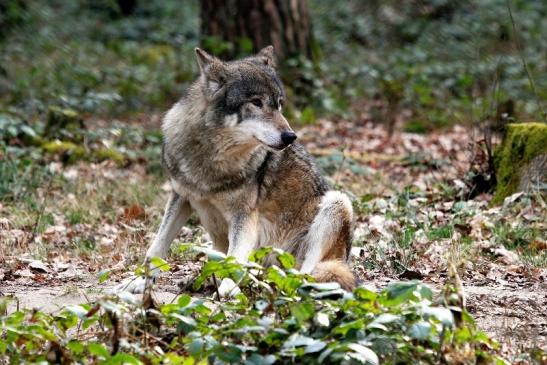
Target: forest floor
pixel 414 218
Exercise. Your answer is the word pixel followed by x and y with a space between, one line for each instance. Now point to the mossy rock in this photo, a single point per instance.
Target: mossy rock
pixel 521 159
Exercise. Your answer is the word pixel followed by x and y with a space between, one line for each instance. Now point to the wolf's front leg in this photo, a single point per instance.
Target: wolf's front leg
pixel 177 211
pixel 243 238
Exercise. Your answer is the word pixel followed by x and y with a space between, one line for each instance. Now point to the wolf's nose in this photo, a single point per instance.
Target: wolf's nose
pixel 288 137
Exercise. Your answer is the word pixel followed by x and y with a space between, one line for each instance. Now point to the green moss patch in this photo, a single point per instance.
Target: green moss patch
pixel 521 144
pixel 71 152
pixel 68 150
pixel 109 154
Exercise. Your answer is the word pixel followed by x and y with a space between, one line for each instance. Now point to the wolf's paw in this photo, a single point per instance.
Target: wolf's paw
pixel 228 288
pixel 134 285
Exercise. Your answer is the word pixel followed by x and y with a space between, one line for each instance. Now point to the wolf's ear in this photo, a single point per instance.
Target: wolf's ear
pixel 267 56
pixel 211 67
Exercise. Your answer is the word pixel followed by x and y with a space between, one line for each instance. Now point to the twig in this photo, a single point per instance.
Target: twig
pixel 155 338
pixel 42 210
pixel 115 332
pixel 441 343
pixel 339 170
pixel 216 287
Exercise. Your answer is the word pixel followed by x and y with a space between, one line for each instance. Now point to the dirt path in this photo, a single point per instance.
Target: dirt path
pixel 516 317
pixel 54 298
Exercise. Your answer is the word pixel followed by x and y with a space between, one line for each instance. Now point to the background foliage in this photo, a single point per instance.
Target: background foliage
pixel 445 61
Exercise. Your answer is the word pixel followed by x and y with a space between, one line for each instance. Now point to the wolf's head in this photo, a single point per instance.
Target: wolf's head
pixel 245 97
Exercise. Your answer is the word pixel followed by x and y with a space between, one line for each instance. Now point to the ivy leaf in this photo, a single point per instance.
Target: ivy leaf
pixel 98 349
pixel 258 255
pixel 321 319
pixel 140 271
pixel 365 294
pixel 316 346
pixel 126 359
pixel 78 311
pixel 345 327
pixel 76 347
pixel 385 318
pixel 159 263
pixel 104 275
pixel 302 311
pixel 298 340
pixel 186 324
pixel 27 130
pixel 363 354
pixel 397 293
pixel 257 359
pixel 443 315
pixel 196 347
pixel 184 300
pixel 286 260
pixel 420 330
pixel 229 353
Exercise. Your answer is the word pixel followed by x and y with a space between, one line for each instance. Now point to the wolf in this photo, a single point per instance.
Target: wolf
pixel 232 158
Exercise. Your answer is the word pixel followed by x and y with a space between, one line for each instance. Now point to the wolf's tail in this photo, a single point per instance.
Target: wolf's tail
pixel 335 270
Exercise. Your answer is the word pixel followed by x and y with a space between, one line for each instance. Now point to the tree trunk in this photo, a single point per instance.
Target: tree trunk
pixel 250 25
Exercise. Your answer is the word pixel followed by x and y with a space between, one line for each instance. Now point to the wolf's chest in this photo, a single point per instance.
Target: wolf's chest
pixel 216 218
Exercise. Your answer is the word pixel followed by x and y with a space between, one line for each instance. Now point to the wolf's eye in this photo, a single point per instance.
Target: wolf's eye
pixel 281 102
pixel 257 102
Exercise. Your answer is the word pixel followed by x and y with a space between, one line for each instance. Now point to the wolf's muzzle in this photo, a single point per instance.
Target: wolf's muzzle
pixel 287 138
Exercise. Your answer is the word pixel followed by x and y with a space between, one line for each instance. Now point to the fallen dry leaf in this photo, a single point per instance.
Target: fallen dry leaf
pixel 538 245
pixel 38 266
pixel 25 273
pixel 4 223
pixel 69 273
pixel 506 256
pixel 133 212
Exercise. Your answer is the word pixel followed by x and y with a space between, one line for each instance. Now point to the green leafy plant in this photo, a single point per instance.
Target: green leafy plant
pixel 281 316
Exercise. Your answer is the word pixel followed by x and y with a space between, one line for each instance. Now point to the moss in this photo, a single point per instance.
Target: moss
pixel 521 144
pixel 68 150
pixel 109 154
